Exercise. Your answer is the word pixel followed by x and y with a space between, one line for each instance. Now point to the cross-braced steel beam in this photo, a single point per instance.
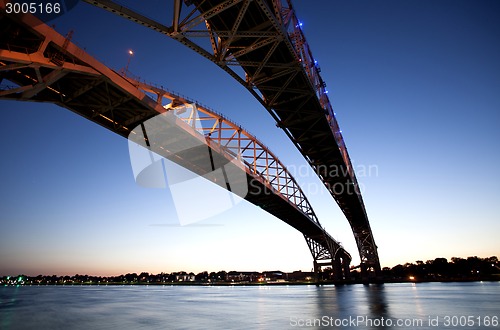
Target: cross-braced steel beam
pixel 85 86
pixel 265 40
pixel 231 139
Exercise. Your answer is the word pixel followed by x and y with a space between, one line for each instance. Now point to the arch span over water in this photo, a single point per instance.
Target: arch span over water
pixel 38 64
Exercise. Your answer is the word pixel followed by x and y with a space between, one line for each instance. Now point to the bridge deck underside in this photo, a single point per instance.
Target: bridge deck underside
pixel 296 106
pixel 92 96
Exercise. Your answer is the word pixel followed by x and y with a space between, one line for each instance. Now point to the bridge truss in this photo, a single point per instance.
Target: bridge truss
pixel 260 43
pixel 267 176
pixel 37 64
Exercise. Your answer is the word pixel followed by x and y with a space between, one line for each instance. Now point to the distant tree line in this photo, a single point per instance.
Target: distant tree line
pixel 472 268
pixel 439 269
pixel 162 278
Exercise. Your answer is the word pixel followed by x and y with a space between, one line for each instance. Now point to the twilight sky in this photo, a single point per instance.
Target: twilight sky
pixel 416 89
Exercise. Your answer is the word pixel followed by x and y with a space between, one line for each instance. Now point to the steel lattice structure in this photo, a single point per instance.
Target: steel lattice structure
pixel 232 141
pixel 260 43
pixel 37 64
pixel 236 142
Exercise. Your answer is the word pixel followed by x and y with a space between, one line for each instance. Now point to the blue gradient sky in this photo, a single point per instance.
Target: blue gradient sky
pixel 416 89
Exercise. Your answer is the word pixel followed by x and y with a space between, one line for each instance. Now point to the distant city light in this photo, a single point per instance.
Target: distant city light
pixel 131 52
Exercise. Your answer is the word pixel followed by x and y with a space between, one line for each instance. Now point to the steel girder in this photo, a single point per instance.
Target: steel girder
pixel 231 139
pixel 99 94
pixel 230 46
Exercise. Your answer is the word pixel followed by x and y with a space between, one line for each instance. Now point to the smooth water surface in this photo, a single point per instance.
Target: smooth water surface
pixel 389 306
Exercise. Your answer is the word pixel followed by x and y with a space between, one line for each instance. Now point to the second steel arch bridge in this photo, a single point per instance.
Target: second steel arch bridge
pixel 39 65
pixel 260 43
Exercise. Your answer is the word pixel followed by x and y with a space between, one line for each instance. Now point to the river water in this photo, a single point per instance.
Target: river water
pixel 474 305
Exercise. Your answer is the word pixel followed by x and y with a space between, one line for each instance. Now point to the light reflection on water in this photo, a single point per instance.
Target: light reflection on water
pixel 238 307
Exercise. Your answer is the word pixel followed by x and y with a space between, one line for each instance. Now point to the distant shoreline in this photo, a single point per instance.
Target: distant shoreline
pixel 472 269
pixel 297 283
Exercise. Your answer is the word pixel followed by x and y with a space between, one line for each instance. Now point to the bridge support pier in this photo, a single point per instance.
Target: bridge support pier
pixel 370 273
pixel 346 267
pixel 317 271
pixel 337 270
pixel 340 269
pixel 326 255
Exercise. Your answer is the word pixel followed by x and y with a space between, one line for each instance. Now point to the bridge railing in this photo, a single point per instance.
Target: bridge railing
pixel 16 48
pixel 312 69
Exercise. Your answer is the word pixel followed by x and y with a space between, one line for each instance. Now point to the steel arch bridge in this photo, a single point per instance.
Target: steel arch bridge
pixel 38 64
pixel 260 43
